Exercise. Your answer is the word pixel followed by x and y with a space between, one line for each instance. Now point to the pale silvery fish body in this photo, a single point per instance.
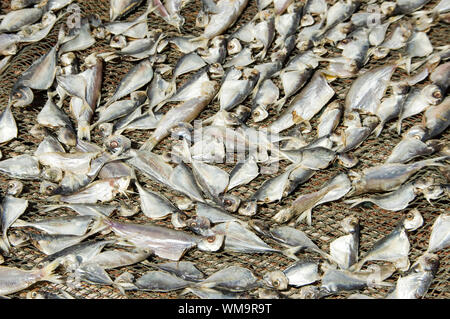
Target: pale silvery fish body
pixel 8 127
pixel 228 12
pixel 440 234
pixel 368 89
pixel 314 95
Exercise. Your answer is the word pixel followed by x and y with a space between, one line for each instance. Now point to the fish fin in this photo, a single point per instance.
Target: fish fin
pixel 48 273
pixel 55 198
pixel 404 63
pixel 279 104
pixel 402 263
pixel 357 266
pixel 290 252
pixel 20 223
pixel 307 216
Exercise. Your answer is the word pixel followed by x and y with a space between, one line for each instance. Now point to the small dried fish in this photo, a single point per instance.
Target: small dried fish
pixel 13 279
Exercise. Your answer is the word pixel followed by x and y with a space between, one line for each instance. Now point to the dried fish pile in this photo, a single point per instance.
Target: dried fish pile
pixel 319 168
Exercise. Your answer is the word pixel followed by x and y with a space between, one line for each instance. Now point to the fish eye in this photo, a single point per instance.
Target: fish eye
pixel 276 283
pixel 114 144
pixel 227 202
pixel 193 224
pixel 345 41
pixel 17 95
pixel 211 239
pixel 437 95
pixel 410 216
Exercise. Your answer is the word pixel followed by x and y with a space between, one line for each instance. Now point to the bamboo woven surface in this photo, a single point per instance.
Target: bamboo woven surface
pixel 375 222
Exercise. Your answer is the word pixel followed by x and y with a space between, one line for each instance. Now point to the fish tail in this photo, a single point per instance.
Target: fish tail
pixel 377 131
pixel 84 131
pixel 48 273
pixel 399 126
pixel 279 104
pixel 404 63
pixel 355 202
pixel 51 208
pixel 434 161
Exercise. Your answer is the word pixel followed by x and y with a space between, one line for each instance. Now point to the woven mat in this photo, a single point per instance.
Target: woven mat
pixel 375 222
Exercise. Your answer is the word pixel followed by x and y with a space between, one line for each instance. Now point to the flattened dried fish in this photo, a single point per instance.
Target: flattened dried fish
pixel 13 279
pixel 305 105
pixel 8 126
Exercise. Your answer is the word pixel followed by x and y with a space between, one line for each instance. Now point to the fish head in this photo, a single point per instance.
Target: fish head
pixel 276 279
pixel 417 132
pixel 371 122
pixel 118 41
pixel 216 71
pixel 352 119
pixel 413 220
pixel 48 188
pixel 248 208
pixel 231 202
pixel 219 41
pixel 433 94
pixel 428 262
pixel 117 144
pixel 283 216
pixel 200 225
pixel 259 114
pixel 67 136
pixel 139 97
pixel 251 74
pixel 380 52
pixel 307 20
pixel 183 131
pixel 106 129
pixel 179 219
pixel 208 88
pixel 400 88
pixel 350 224
pixel 387 7
pixel 14 188
pixel 241 113
pixel 52 174
pixel 100 33
pixel 202 19
pixel 234 46
pixel 347 160
pixel 309 292
pixel 21 96
pixel 211 243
